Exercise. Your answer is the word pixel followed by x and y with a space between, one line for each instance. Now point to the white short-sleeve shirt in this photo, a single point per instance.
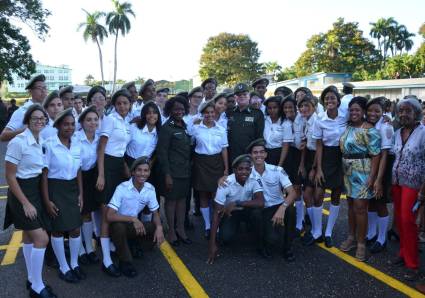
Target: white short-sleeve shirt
pixel 387 134
pixel 142 141
pixel 15 121
pixel 211 140
pixel 298 129
pixel 329 130
pixel 308 131
pixel 273 133
pixel 117 130
pixel 233 191
pixel 62 163
pixel 49 131
pixel 88 150
pixel 24 152
pixel 128 201
pixel 274 178
pixel 189 121
pixel 288 131
pixel 222 120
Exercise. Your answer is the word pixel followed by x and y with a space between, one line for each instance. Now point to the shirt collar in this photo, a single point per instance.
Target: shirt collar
pixel 83 137
pixel 203 125
pixel 247 109
pixel 131 185
pixel 30 137
pixel 145 129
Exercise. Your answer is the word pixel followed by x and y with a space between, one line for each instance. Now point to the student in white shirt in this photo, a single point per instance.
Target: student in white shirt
pixel 67 96
pixel 52 104
pixel 130 198
pixel 234 203
pixel 220 105
pixel 274 130
pixel 378 218
pixel 210 161
pixel 89 140
pixel 279 197
pixel 327 131
pixel 24 209
pixel 37 89
pixel 62 191
pixel 114 138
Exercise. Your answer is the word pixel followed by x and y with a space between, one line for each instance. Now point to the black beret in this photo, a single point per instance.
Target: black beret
pixel 257 142
pixel 219 95
pixel 277 99
pixel 260 81
pixel 164 90
pixel 206 104
pixel 240 159
pixel 93 90
pixel 33 80
pixel 129 85
pixel 303 89
pixel 85 112
pixel 285 90
pixel 146 84
pixel 240 88
pixel 63 114
pixel 194 90
pixel 66 89
pixel 184 94
pixel 309 99
pixel 49 98
pixel 143 160
pixel 118 93
pixel 209 80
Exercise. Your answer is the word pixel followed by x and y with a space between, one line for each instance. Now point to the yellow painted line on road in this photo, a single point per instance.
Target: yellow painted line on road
pixel 12 249
pixel 189 282
pixel 325 212
pixel 4 247
pixel 392 282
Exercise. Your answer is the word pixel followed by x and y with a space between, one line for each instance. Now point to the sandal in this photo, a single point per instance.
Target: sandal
pixel 361 252
pixel 348 244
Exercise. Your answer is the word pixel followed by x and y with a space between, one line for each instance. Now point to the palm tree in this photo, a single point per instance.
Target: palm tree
pixel 377 31
pixel 390 33
pixel 117 22
pixel 403 39
pixel 96 32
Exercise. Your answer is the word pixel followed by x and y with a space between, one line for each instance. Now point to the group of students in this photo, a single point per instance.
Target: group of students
pixel 74 172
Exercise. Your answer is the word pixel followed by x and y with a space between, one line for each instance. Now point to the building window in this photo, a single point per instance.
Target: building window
pixel 65 78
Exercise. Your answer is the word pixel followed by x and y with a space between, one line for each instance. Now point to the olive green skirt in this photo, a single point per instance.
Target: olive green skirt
pixel 15 212
pixel 64 193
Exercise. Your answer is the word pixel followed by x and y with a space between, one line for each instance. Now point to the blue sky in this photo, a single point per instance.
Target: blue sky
pixel 167 36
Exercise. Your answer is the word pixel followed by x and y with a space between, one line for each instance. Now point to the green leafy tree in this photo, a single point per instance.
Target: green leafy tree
pixel 341 49
pixel 403 66
pixel 118 21
pixel 15 49
pixel 230 58
pixel 96 32
pixel 287 73
pixel 273 68
pixel 422 30
pixel 403 40
pixel 89 80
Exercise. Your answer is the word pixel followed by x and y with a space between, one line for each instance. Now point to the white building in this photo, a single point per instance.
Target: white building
pixel 56 76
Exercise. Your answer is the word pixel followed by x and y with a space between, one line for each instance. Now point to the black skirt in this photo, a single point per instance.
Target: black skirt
pixel 332 167
pixel 291 165
pixel 308 164
pixel 180 190
pixel 207 169
pixel 114 175
pixel 273 156
pixel 15 212
pixel 90 203
pixel 64 193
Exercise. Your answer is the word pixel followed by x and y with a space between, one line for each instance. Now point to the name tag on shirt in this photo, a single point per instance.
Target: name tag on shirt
pixel 249 119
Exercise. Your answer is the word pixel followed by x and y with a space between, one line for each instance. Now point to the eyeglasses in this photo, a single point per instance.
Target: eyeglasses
pixel 38 119
pixel 40 88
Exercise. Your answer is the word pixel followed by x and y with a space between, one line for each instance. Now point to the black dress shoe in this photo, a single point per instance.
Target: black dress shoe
pixel 93 258
pixel 207 234
pixel 392 234
pixel 128 269
pixel 377 247
pixel 69 276
pixel 320 239
pixel 308 239
pixel 397 261
pixel 79 273
pixel 264 252
pixel 328 242
pixel 112 270
pixel 45 293
pixel 184 241
pixel 297 233
pixel 371 241
pixel 288 255
pixel 83 260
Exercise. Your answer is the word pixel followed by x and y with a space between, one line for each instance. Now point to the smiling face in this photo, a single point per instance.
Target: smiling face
pixel 374 113
pixel 122 105
pixel 37 121
pixel 330 101
pixel 258 155
pixel 356 113
pixel 38 91
pixel 221 105
pixel 66 127
pixel 54 107
pixel 67 100
pixel 209 90
pixel 149 93
pixel 99 101
pixel 406 114
pixel 195 100
pixel 289 110
pixel 90 122
pixel 242 171
pixel 273 109
pixel 261 89
pixel 242 99
pixel 306 109
pixel 209 115
pixel 152 117
pixel 141 173
pixel 177 111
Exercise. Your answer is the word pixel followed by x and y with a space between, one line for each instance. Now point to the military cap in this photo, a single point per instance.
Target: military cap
pixel 128 85
pixel 65 89
pixel 257 142
pixel 143 160
pixel 260 81
pixel 93 90
pixel 228 91
pixel 347 87
pixel 118 93
pixel 240 159
pixel 164 90
pixel 49 98
pixel 146 84
pixel 194 90
pixel 277 99
pixel 86 111
pixel 240 88
pixel 206 104
pixel 285 90
pixel 62 115
pixel 37 78
pixel 219 95
pixel 184 94
pixel 209 80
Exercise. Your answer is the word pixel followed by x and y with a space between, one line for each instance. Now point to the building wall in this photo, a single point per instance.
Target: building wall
pixel 392 94
pixel 56 76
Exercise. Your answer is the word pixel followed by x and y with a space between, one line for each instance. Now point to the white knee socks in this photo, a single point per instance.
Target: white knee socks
pixel 74 248
pixel 106 251
pixel 382 229
pixel 37 259
pixel 59 249
pixel 27 248
pixel 372 218
pixel 333 215
pixel 87 230
pixel 299 206
pixel 206 215
pixel 317 221
pixel 97 219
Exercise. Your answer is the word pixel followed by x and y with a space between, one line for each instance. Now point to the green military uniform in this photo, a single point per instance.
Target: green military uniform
pixel 174 154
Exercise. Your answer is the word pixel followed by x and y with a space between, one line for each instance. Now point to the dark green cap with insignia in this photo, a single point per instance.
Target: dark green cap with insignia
pixel 209 80
pixel 257 142
pixel 66 89
pixel 277 99
pixel 194 90
pixel 240 88
pixel 61 115
pixel 260 81
pixel 206 104
pixel 129 85
pixel 49 98
pixel 240 159
pixel 37 78
pixel 149 82
pixel 163 90
pixel 285 90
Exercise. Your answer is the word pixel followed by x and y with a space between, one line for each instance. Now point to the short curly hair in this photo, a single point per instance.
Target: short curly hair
pixel 170 104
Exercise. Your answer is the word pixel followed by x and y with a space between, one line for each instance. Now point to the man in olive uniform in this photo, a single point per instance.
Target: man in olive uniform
pixel 244 124
pixel 260 87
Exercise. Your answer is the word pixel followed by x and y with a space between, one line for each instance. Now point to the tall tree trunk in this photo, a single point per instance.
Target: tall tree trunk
pixel 100 60
pixel 115 62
